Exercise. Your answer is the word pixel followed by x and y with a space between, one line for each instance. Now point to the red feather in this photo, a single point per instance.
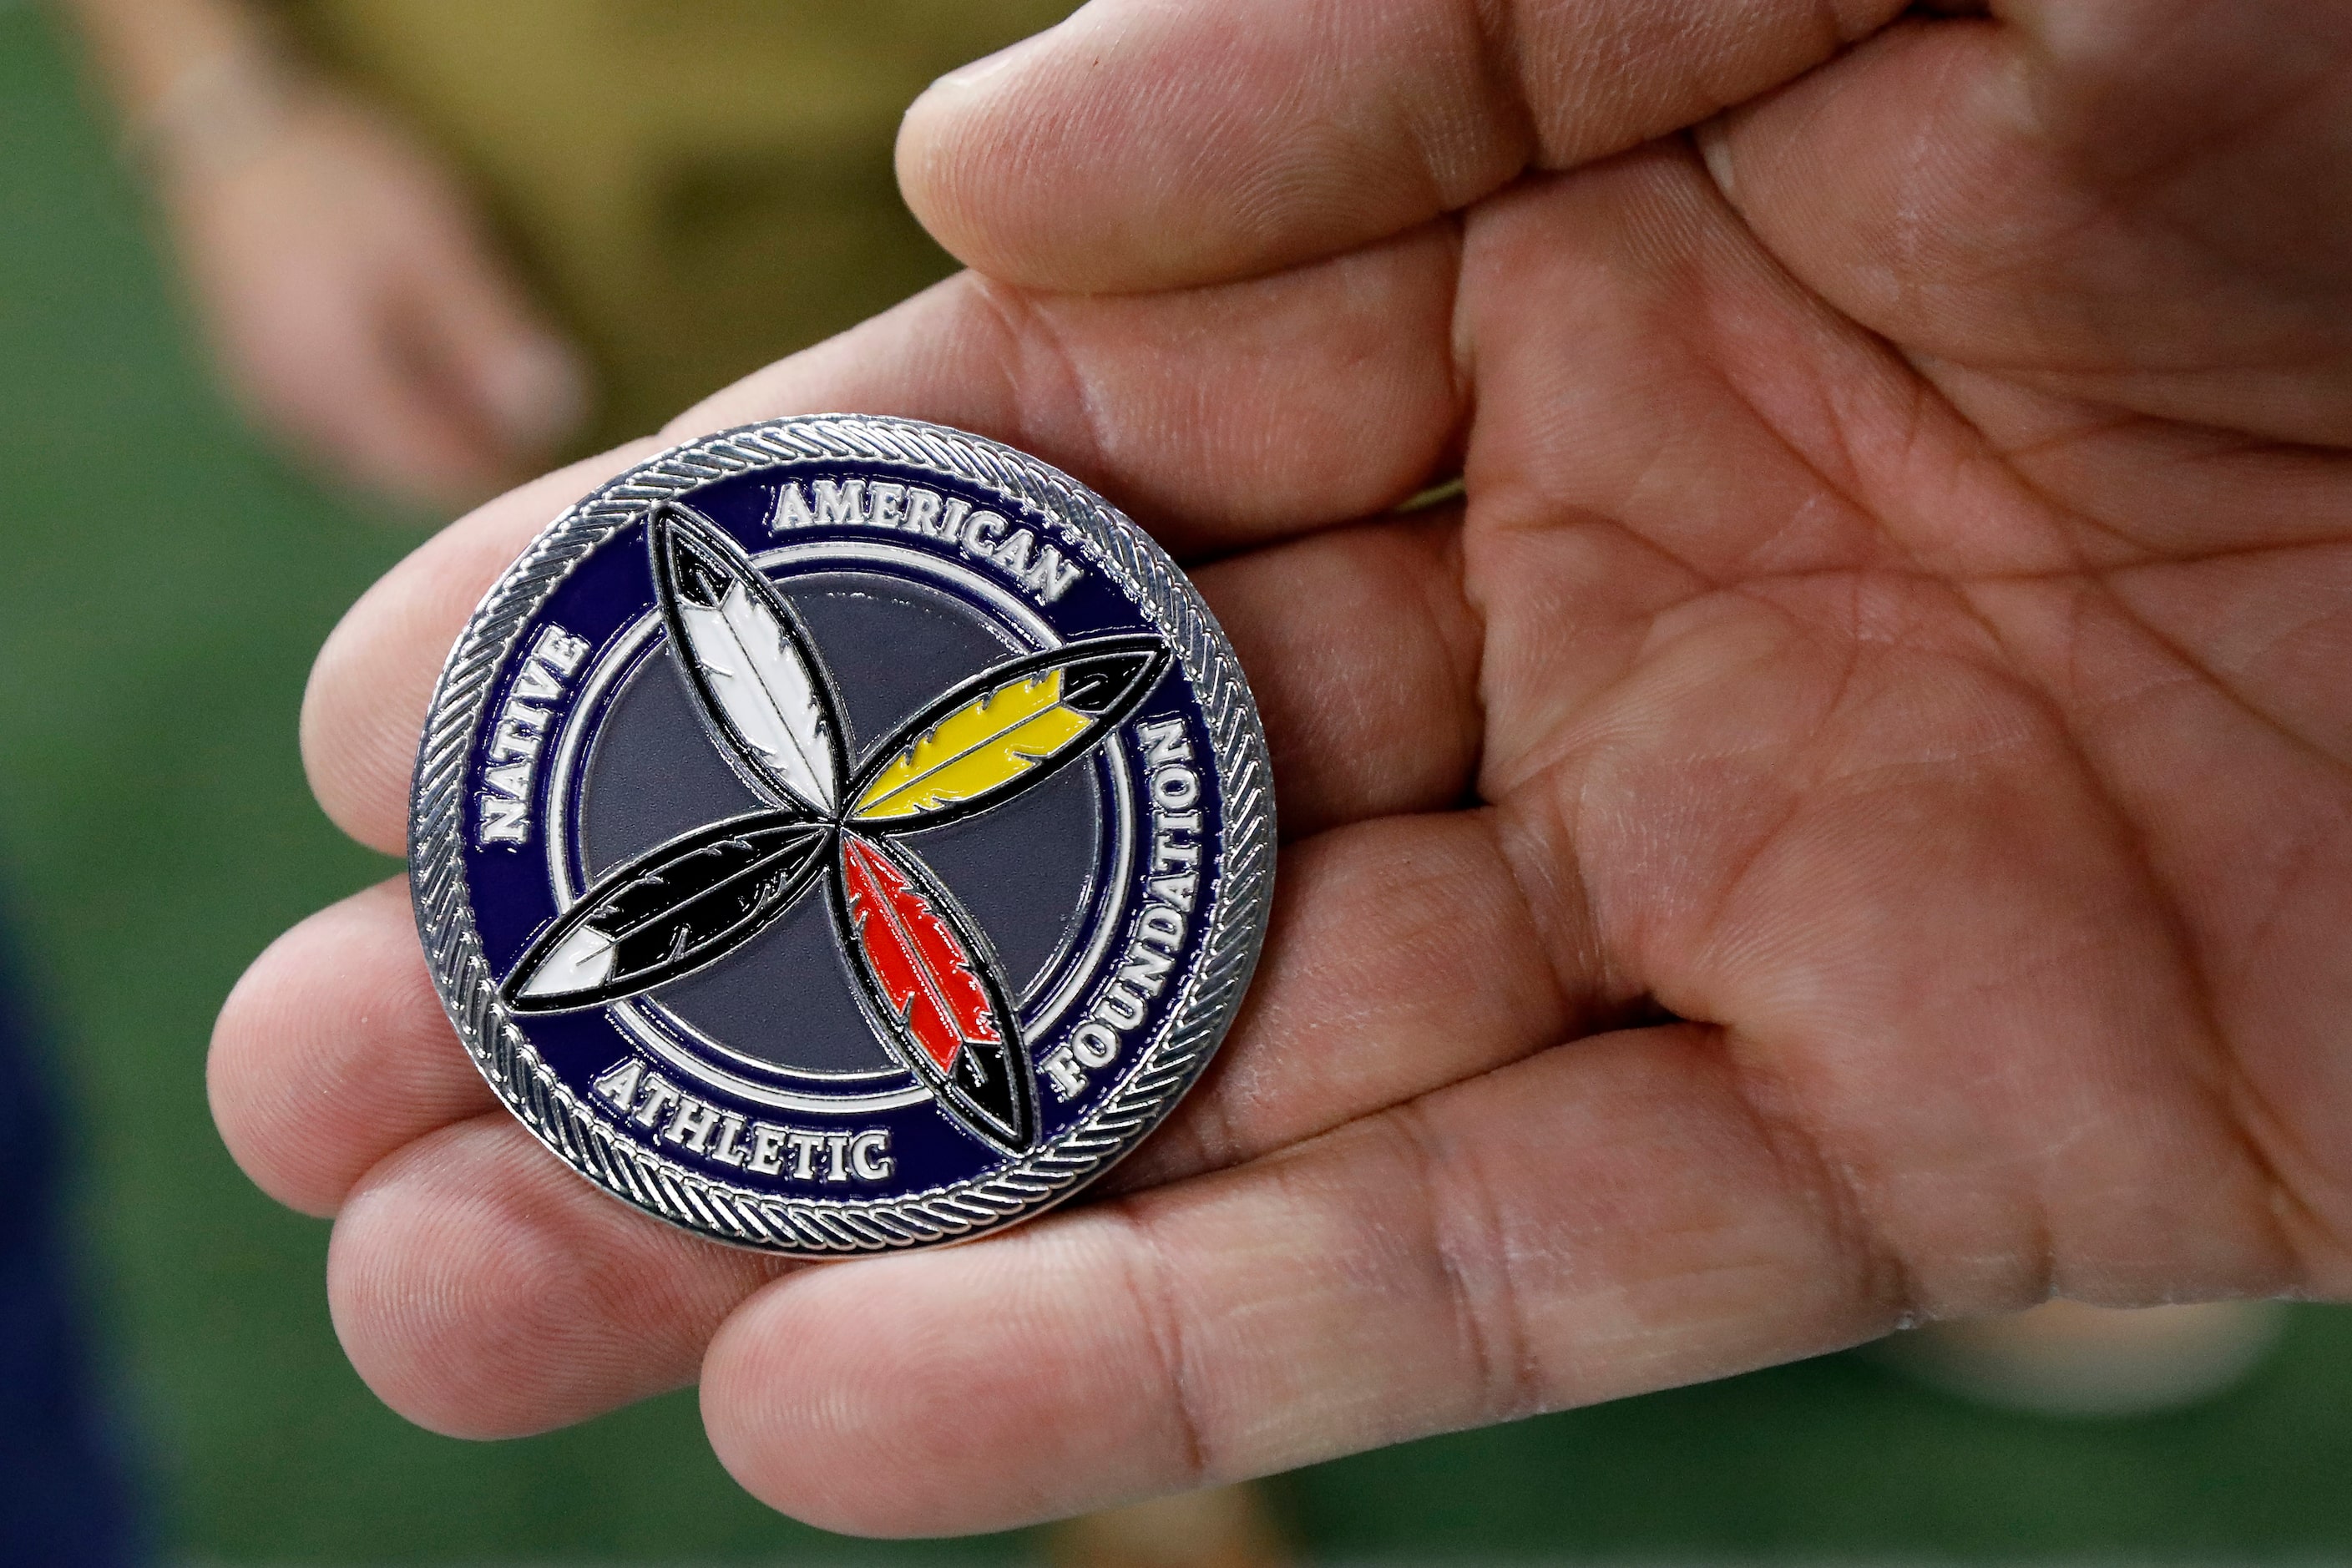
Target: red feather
pixel 923 971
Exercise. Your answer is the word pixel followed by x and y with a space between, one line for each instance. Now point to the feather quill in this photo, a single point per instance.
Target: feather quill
pixel 747 662
pixel 926 977
pixel 764 690
pixel 671 911
pixel 976 750
pixel 1005 730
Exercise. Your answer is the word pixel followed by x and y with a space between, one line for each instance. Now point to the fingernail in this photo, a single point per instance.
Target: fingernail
pixel 1714 152
pixel 539 395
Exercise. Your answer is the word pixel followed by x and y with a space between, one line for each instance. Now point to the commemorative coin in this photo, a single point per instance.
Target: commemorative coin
pixel 842 833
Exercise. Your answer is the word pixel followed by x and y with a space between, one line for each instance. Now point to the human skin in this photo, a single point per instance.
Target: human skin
pixel 360 317
pixel 1846 825
pixel 354 304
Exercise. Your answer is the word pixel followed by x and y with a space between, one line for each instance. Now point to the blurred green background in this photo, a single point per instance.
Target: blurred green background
pixel 163 585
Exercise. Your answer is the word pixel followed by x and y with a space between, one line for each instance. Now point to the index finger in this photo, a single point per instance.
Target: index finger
pixel 1148 144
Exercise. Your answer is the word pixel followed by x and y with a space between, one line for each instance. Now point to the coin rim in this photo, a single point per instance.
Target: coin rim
pixel 575 1128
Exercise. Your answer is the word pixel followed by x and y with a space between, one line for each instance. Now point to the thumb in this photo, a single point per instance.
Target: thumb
pixel 1151 144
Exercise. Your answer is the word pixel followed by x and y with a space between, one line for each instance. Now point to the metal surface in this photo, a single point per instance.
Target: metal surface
pixel 829 725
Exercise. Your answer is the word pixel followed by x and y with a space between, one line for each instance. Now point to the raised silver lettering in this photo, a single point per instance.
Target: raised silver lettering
pixel 1093 1044
pixel 869 1156
pixel 980 535
pixel 660 1094
pixel 692 1126
pixel 1012 555
pixel 1176 892
pixel 1167 855
pixel 1063 1073
pixel 1161 926
pixel 520 732
pixel 561 650
pixel 511 780
pixel 538 682
pixel 726 1151
pixel 792 508
pixel 1174 788
pixel 840 505
pixel 504 821
pixel 804 1145
pixel 1164 742
pixel 767 1150
pixel 1146 969
pixel 1119 1006
pixel 1051 577
pixel 618 1083
pixel 922 510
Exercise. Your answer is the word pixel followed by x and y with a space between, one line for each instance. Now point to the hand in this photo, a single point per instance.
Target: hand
pixel 1849 824
pixel 359 314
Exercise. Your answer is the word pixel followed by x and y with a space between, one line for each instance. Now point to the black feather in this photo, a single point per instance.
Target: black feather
pixel 682 905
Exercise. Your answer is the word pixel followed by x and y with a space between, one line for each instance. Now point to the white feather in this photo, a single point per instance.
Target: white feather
pixel 580 960
pixel 765 690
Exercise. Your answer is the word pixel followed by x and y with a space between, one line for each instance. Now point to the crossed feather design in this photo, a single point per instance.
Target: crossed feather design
pixel 929 977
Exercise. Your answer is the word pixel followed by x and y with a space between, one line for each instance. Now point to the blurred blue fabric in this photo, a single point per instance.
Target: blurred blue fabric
pixel 64 1498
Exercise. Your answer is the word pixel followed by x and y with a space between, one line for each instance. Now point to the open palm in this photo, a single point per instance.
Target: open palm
pixel 1847 822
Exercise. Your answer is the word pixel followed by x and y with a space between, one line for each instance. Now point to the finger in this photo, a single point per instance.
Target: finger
pixel 1230 415
pixel 365 702
pixel 1401 957
pixel 2130 206
pixel 333 1051
pixel 1363 653
pixel 1218 416
pixel 439 1254
pixel 484 1290
pixel 1607 1217
pixel 1145 143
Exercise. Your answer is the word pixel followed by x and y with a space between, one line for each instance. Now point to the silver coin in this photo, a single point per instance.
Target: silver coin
pixel 842 833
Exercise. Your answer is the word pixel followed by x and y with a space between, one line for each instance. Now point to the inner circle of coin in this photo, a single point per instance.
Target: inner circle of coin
pixel 842 833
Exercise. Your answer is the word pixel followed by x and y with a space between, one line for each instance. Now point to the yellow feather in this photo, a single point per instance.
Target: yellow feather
pixel 975 749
